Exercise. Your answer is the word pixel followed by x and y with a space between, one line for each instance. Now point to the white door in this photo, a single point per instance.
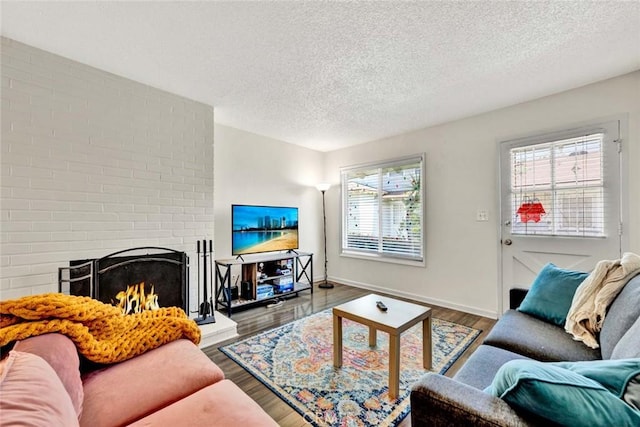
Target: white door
pixel 560 202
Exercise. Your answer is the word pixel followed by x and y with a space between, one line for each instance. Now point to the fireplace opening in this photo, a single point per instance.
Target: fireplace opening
pixel 135 279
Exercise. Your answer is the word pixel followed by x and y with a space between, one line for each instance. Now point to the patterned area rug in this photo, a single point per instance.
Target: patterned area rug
pixel 296 362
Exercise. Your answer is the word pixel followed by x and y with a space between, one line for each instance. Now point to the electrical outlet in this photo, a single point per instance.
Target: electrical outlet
pixel 482 215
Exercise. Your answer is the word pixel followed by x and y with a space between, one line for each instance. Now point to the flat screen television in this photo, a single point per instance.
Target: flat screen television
pixel 257 229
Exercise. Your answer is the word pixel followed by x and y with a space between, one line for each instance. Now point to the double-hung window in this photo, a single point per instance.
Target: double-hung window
pixel 383 210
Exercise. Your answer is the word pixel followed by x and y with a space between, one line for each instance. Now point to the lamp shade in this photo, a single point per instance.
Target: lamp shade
pixel 323 186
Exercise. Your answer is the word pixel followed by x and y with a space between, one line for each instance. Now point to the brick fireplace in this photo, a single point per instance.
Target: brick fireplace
pixel 122 165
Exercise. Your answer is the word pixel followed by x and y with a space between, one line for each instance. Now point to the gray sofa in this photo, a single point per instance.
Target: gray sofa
pixel 437 400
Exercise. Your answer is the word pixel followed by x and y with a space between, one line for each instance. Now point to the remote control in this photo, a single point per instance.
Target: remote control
pixel 381 306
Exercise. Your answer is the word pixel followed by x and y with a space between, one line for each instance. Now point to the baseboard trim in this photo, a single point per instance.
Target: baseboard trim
pixel 421 298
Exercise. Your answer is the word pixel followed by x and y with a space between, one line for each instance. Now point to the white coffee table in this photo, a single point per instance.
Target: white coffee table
pixel 399 317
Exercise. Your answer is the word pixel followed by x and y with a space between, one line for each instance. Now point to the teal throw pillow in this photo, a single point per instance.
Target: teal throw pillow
pixel 551 294
pixel 564 396
pixel 614 375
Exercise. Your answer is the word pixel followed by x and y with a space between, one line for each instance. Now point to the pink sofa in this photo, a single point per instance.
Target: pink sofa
pixel 41 383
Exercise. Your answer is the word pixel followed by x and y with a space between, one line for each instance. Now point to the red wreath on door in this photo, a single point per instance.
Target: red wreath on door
pixel 531 210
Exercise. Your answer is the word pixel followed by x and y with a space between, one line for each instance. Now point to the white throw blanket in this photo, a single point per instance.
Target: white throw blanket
pixel 595 293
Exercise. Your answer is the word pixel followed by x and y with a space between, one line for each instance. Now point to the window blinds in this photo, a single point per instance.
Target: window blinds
pixel 383 209
pixel 557 188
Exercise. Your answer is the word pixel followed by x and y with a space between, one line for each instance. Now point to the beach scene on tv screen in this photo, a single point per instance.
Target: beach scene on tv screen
pixel 264 229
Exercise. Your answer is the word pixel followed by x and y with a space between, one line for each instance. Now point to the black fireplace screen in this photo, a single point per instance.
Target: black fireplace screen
pixel 130 279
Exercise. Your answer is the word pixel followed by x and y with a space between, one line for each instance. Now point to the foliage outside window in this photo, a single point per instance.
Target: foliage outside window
pixel 382 209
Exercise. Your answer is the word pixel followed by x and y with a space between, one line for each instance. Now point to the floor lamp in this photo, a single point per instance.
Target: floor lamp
pixel 323 187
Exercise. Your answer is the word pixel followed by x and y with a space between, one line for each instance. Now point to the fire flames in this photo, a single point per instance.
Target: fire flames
pixel 135 300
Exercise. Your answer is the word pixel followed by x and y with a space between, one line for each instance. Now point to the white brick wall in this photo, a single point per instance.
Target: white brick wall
pixel 93 163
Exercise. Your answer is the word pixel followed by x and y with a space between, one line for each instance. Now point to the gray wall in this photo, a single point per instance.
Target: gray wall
pixel 463 255
pixel 256 170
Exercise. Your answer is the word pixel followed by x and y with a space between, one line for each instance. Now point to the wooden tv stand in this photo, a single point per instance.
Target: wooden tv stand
pixel 263 269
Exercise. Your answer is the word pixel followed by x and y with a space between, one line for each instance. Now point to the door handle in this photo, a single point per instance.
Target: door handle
pixel 507 242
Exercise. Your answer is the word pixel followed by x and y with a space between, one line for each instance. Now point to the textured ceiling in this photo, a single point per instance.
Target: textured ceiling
pixel 326 75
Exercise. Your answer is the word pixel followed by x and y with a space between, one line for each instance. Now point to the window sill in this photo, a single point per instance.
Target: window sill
pixel 383 258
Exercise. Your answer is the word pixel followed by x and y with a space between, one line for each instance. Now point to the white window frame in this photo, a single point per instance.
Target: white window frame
pixel 382 255
pixel 613 127
pixel 556 189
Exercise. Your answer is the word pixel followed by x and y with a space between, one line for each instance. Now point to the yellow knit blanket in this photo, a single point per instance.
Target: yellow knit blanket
pixel 100 331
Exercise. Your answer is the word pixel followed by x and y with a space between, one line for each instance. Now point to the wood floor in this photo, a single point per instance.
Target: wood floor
pixel 255 320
